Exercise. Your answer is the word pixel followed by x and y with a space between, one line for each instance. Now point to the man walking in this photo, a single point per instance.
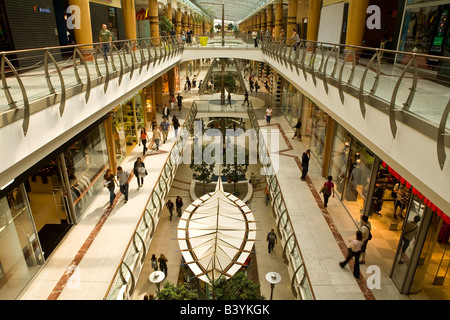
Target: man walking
pixel 246 98
pixel 170 206
pixel 305 163
pixel 179 205
pixel 157 136
pixel 165 129
pixel 180 102
pixel 271 239
pixel 105 37
pixel 123 176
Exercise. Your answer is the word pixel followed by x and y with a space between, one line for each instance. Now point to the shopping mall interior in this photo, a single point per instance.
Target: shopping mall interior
pixel 242 110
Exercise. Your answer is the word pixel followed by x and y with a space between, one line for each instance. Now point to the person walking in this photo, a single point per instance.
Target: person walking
pixel 246 98
pixel 305 163
pixel 123 176
pixel 354 251
pixel 176 125
pixel 255 38
pixel 170 207
pixel 327 190
pixel 179 206
pixel 229 99
pixel 144 138
pixel 271 239
pixel 296 39
pixel 139 171
pixel 110 183
pixel 157 137
pixel 105 37
pixel 269 113
pixel 166 112
pixel 297 128
pixel 267 195
pixel 179 101
pixel 366 236
pixel 163 263
pixel 165 125
pixel 154 262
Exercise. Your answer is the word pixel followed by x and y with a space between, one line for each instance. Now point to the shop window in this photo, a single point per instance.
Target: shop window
pixel 86 162
pixel 316 127
pixel 20 251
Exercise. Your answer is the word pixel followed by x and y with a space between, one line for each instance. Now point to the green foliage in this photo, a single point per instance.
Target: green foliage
pixel 235 169
pixel 203 170
pixel 239 287
pixel 165 24
pixel 170 292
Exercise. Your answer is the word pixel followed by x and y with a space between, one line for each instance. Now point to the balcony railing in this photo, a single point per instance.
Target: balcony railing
pixel 37 78
pixel 409 87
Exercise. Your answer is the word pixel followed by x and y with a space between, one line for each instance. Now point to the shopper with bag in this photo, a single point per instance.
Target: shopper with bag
pixel 139 171
pixel 327 190
pixel 354 251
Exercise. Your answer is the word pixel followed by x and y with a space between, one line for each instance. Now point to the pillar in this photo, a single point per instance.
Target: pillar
pixel 171 77
pixel 184 21
pixel 258 22
pixel 270 18
pixel 315 6
pixel 264 21
pixel 278 17
pixel 292 18
pixel 169 11
pixel 356 22
pixel 178 21
pixel 110 142
pixel 84 34
pixel 129 19
pixel 154 20
pixel 158 94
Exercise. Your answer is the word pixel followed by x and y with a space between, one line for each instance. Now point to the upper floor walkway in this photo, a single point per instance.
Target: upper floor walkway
pixel 396 103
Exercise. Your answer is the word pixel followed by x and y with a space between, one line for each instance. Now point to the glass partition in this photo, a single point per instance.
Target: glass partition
pixel 20 251
pixel 122 286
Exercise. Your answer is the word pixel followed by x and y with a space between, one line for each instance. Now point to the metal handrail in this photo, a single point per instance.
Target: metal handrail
pixel 91 51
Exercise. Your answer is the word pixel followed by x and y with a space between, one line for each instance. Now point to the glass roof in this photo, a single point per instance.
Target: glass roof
pixel 235 10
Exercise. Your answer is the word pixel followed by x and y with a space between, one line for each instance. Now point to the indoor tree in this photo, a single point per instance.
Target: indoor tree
pixel 239 287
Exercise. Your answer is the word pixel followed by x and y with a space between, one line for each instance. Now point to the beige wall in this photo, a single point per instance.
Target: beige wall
pixel 111 3
pixel 329 2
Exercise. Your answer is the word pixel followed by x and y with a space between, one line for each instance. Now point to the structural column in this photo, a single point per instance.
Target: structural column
pixel 315 6
pixel 292 18
pixel 84 34
pixel 278 17
pixel 154 20
pixel 185 21
pixel 169 11
pixel 263 22
pixel 258 22
pixel 270 18
pixel 178 21
pixel 110 142
pixel 158 94
pixel 356 22
pixel 129 18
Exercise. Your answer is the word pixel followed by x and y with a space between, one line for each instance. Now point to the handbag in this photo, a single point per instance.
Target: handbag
pixel 324 190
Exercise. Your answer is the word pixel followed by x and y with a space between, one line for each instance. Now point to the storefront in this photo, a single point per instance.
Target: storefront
pixel 425 30
pixel 291 103
pixel 364 184
pixel 128 119
pixel 40 206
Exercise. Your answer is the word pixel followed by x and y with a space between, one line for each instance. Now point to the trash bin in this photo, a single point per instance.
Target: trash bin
pixel 203 41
